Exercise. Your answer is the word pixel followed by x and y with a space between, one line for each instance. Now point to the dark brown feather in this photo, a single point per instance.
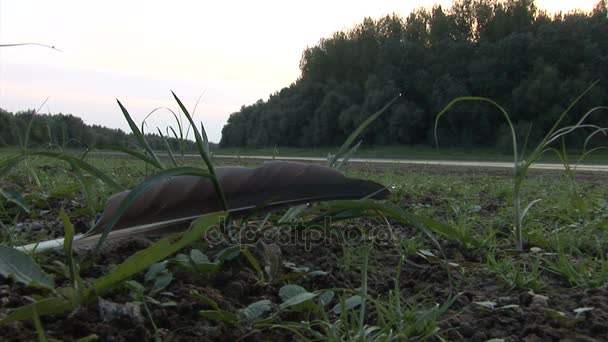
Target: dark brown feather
pixel 168 206
pixel 276 184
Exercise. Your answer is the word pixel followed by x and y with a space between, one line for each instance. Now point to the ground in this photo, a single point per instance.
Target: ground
pixel 453 290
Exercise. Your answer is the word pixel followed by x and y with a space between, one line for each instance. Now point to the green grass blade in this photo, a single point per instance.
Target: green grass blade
pixel 565 112
pixel 68 240
pixel 180 140
pixel 293 213
pixel 135 154
pixel 351 138
pixel 133 194
pixel 139 136
pixel 38 326
pixel 28 131
pixel 200 144
pixel 194 110
pixel 347 155
pixel 167 147
pixel 481 99
pixel 42 307
pixel 179 125
pixel 527 208
pixel 205 139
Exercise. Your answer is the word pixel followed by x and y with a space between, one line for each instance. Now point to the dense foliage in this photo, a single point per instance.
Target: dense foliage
pixel 509 51
pixel 70 131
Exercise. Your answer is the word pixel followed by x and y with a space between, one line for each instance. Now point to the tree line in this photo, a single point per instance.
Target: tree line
pixel 531 63
pixel 68 131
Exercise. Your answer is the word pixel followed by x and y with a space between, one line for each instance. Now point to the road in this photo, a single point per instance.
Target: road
pixel 450 163
pixel 463 163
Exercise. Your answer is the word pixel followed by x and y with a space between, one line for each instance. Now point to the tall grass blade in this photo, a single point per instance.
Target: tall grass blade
pixel 205 139
pixel 481 99
pixel 139 136
pixel 167 147
pixel 42 307
pixel 28 131
pixel 347 155
pixel 351 138
pixel 527 208
pixel 200 143
pixel 38 326
pixel 68 239
pixel 134 153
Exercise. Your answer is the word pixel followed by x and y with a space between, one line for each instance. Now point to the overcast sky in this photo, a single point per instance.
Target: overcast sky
pixel 236 52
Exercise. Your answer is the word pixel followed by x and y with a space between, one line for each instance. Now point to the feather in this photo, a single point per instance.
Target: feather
pixel 174 202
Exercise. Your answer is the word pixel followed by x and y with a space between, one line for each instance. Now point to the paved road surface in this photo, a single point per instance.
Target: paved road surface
pixel 451 163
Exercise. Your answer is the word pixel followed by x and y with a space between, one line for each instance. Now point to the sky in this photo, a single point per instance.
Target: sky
pixel 232 52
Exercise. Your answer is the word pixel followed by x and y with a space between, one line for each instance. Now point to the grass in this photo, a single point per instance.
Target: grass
pixel 481 202
pixel 459 225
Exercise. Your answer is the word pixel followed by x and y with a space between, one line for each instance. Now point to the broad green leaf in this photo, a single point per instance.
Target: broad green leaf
pixel 155 270
pixel 161 282
pixel 160 250
pixel 326 297
pixel 201 262
pixel 43 307
pixel 291 290
pixel 198 257
pixel 256 310
pixel 349 304
pixel 297 299
pixel 15 197
pixel 21 267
